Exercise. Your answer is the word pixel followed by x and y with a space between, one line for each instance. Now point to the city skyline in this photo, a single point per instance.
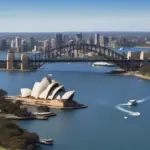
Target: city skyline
pixel 68 16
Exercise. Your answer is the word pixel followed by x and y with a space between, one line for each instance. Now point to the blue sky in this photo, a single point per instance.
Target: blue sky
pixel 74 15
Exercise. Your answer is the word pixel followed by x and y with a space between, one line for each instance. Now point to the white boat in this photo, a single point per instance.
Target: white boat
pixel 42 113
pixel 103 64
pixel 132 102
pixel 46 141
pixel 121 48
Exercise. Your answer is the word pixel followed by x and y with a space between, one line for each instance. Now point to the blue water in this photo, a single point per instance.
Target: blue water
pixel 101 125
pixel 133 49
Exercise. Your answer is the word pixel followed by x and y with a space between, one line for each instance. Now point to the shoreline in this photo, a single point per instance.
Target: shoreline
pixel 18 70
pixel 142 47
pixel 129 73
pixel 135 74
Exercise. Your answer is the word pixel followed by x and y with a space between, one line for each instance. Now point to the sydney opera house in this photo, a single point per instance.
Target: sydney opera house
pixel 49 92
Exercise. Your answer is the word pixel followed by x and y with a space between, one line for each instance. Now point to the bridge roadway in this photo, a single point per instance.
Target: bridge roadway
pixel 75 60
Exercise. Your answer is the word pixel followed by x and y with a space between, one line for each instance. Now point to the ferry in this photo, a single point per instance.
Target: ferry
pixel 132 103
pixel 121 48
pixel 42 113
pixel 103 64
pixel 46 141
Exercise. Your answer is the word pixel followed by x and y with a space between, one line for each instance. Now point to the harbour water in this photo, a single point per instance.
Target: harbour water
pixel 101 125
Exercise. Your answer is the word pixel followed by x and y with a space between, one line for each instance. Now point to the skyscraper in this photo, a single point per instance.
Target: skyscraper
pixel 90 40
pixel 46 45
pixel 32 43
pixel 3 44
pixel 65 39
pixel 97 39
pixel 110 42
pixel 24 46
pixel 13 44
pixel 18 43
pixel 53 43
pixel 79 37
pixel 104 41
pixel 59 40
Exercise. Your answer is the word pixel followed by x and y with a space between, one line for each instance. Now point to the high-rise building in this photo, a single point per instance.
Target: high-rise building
pixel 90 40
pixel 40 44
pixel 3 44
pixel 79 37
pixel 53 42
pixel 46 45
pixel 104 41
pixel 13 44
pixel 65 39
pixel 35 48
pixel 97 39
pixel 18 43
pixel 24 46
pixel 110 42
pixel 59 40
pixel 32 43
pixel 122 41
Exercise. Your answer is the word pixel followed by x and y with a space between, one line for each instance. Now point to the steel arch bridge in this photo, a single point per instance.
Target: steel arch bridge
pixel 78 53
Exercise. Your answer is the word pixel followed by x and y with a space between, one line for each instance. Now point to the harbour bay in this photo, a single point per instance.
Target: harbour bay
pixel 101 123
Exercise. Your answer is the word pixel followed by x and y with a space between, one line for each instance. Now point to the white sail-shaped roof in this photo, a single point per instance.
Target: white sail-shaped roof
pixel 34 89
pixel 25 92
pixel 43 85
pixel 58 97
pixel 68 95
pixel 55 92
pixel 45 93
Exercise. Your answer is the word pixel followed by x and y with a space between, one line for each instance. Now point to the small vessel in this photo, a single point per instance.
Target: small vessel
pixel 46 141
pixel 121 48
pixel 132 103
pixel 41 117
pixel 42 113
pixel 125 117
pixel 103 64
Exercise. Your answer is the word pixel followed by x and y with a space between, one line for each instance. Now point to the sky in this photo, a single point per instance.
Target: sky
pixel 74 15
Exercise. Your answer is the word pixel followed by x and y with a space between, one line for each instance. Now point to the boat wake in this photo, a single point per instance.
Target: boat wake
pixel 143 100
pixel 131 113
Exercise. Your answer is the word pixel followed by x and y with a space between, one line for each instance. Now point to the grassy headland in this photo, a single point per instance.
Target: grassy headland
pixel 11 135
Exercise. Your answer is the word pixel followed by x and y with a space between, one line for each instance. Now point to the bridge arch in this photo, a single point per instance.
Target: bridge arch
pixel 77 53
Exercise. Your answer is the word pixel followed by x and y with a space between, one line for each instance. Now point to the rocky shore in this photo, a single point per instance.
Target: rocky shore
pixel 136 74
pixel 129 73
pixel 13 137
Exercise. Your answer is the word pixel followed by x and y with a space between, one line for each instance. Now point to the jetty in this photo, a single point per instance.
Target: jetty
pixel 13 117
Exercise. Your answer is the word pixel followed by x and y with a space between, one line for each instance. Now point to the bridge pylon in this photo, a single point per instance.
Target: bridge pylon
pixel 24 61
pixel 10 60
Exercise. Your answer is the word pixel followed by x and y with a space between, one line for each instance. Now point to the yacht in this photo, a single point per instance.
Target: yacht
pixel 121 48
pixel 132 103
pixel 103 64
pixel 42 113
pixel 46 141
